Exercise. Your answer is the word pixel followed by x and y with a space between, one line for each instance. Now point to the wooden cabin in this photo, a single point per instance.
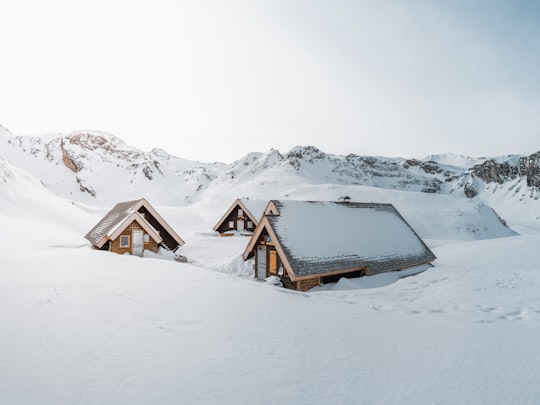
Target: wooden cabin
pixel 309 243
pixel 133 227
pixel 241 218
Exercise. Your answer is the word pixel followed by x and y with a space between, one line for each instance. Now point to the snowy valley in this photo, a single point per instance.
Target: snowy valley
pixel 90 327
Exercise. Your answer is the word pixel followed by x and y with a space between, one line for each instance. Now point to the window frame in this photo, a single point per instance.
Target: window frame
pixel 126 245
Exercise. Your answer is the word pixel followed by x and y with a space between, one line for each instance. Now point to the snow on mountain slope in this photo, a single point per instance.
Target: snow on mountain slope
pixel 26 206
pixel 73 166
pixel 5 134
pixel 99 168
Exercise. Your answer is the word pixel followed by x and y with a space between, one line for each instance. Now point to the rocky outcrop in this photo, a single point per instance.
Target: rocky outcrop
pixel 307 154
pixel 84 188
pixel 431 167
pixel 66 158
pixel 493 172
pixel 500 172
pixel 470 191
pixel 530 167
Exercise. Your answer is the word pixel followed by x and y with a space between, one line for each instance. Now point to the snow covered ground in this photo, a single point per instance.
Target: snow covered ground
pixel 79 326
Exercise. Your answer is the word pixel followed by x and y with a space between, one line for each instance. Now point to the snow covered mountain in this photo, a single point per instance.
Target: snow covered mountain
pixel 100 169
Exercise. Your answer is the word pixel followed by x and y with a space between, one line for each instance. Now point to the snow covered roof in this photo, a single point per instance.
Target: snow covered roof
pixel 123 214
pixel 254 209
pixel 333 237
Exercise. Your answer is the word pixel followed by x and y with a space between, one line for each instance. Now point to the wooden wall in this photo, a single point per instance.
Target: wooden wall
pixel 273 263
pixel 115 245
pixel 233 216
pixel 304 285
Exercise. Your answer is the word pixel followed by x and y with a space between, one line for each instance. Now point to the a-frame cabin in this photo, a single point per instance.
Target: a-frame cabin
pixel 241 217
pixel 131 227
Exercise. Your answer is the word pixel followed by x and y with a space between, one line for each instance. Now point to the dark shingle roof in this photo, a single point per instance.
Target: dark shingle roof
pixel 107 225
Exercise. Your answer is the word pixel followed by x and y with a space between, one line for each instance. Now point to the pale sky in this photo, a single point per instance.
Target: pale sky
pixel 214 80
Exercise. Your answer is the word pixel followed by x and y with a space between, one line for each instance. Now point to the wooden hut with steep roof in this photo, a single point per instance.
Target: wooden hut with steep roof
pixel 307 243
pixel 132 227
pixel 241 217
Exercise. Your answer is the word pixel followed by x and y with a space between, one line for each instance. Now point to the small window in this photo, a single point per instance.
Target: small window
pixel 250 224
pixel 146 238
pixel 231 224
pixel 240 212
pixel 124 241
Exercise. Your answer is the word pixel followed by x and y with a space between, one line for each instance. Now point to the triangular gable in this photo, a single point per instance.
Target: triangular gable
pixel 143 202
pixel 135 216
pixel 271 209
pixel 265 225
pixel 238 203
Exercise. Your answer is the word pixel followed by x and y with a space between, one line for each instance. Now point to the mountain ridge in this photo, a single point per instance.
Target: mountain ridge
pixel 99 168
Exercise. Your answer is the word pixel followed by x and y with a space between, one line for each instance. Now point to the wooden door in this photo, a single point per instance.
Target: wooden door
pixel 261 262
pixel 273 262
pixel 240 225
pixel 137 243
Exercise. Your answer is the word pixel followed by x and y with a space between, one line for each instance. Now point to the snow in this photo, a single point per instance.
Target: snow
pixel 375 281
pixel 256 207
pixel 325 229
pixel 80 326
pixel 451 159
pixel 88 327
pixel 5 135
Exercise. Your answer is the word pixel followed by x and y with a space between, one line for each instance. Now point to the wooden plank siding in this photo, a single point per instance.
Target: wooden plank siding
pixel 233 218
pixel 307 284
pixel 115 247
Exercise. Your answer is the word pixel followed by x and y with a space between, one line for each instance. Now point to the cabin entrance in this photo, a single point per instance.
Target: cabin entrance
pixel 137 243
pixel 261 262
pixel 240 225
pixel 273 265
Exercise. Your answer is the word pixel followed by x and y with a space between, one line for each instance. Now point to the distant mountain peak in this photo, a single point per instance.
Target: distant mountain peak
pixel 103 167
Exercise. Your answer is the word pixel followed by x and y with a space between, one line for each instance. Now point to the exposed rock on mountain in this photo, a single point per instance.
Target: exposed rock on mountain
pixel 506 170
pixel 530 166
pixel 492 172
pixel 78 163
